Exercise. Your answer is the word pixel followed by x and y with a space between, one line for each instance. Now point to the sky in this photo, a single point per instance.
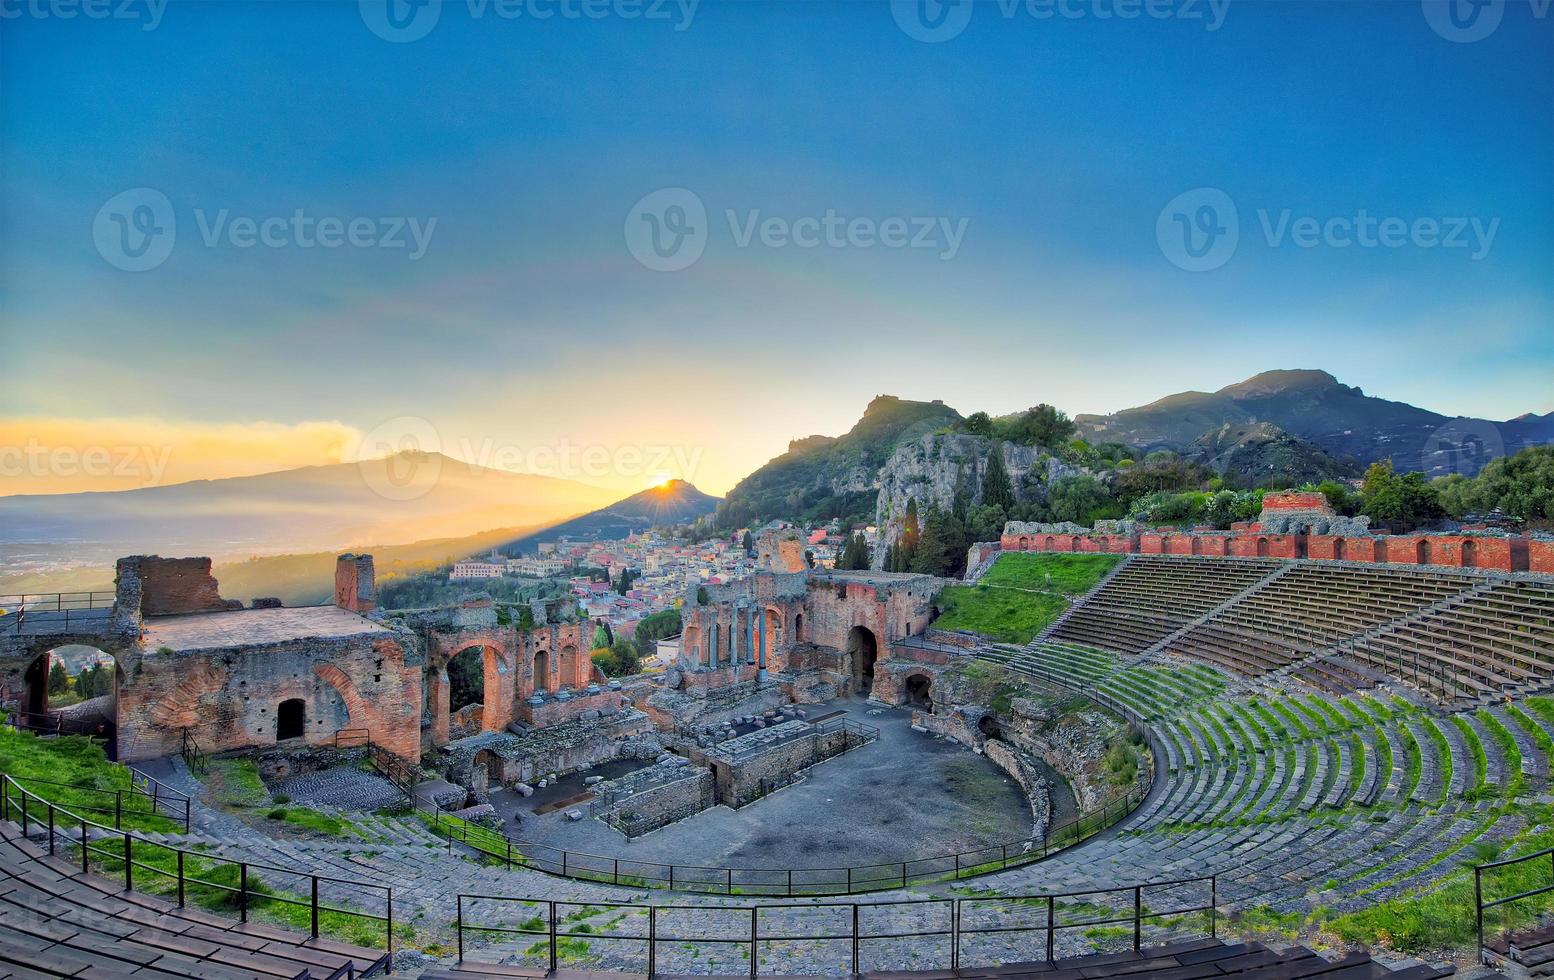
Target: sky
pixel 620 240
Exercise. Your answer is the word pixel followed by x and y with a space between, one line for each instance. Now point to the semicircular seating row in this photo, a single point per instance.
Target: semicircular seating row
pixel 1300 797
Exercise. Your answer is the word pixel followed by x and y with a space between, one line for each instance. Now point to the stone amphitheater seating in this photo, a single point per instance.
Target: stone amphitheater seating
pixel 58 922
pixel 1154 596
pixel 1303 798
pixel 1456 636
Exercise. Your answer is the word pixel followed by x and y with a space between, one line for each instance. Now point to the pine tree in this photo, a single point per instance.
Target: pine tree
pixel 997 491
pixel 59 680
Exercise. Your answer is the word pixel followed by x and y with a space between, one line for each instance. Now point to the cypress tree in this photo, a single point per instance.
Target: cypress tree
pixel 996 488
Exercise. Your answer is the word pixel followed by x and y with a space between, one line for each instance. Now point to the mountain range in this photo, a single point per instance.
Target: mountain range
pixel 674 502
pixel 398 499
pixel 1340 420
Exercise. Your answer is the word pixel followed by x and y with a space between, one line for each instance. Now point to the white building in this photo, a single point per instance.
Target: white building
pixel 538 567
pixel 475 568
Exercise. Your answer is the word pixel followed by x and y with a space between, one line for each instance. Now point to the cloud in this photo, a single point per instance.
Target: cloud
pixel 64 455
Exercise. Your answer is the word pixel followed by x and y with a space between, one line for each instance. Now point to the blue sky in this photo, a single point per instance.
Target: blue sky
pixel 1051 144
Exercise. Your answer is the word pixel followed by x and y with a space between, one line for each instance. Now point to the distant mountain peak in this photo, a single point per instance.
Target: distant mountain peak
pixel 1284 381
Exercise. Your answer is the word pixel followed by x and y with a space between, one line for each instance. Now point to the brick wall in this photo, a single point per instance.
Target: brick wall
pixel 175 586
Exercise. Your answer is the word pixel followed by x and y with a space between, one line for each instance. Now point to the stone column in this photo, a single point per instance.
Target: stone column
pixel 750 617
pixel 717 627
pixel 760 664
pixel 438 695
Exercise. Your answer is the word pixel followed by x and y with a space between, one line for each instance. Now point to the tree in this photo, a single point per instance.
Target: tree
pixel 997 491
pixel 942 546
pixel 1081 499
pixel 1042 425
pixel 978 424
pixel 651 629
pixel 603 635
pixel 624 585
pixel 855 555
pixel 59 680
pixel 748 543
pixel 1403 501
pixel 1521 486
pixel 1339 496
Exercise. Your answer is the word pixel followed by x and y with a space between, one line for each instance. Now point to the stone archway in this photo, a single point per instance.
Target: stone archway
pixel 1469 554
pixel 1422 554
pixel 989 727
pixel 1340 550
pixel 1262 547
pixel 919 692
pixel 863 652
pixel 542 672
pixel 568 668
pixel 73 688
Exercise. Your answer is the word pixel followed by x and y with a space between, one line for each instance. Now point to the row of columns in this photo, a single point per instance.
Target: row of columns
pixel 747 638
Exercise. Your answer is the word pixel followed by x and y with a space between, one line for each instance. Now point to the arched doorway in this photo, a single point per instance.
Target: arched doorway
pixel 1422 553
pixel 1051 545
pixel 568 664
pixel 1262 547
pixel 1340 549
pixel 1469 554
pixel 798 627
pixel 863 649
pixel 291 719
pixel 989 727
pixel 466 678
pixel 919 692
pixel 72 688
pixel 542 671
pixel 690 645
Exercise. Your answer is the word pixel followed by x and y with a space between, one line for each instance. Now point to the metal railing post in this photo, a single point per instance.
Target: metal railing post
pixel 180 878
pixel 754 942
pixel 1138 916
pixel 129 863
pixel 1213 906
pixel 459 926
pixel 313 909
pixel 242 891
pixel 553 938
pixel 1478 906
pixel 1051 927
pixel 389 931
pixel 955 934
pixel 51 831
pixel 856 971
pixel 652 963
pixel 86 850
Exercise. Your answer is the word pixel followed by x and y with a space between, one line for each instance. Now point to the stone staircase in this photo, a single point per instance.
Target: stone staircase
pixel 1052 627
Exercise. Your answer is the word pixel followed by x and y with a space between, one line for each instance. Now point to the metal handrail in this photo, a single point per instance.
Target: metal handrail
pixel 551 930
pixel 14 804
pixel 154 795
pixel 190 750
pixel 56 601
pixel 1481 906
pixel 789 882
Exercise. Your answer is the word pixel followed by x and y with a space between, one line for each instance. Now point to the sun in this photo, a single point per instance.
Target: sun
pixel 662 479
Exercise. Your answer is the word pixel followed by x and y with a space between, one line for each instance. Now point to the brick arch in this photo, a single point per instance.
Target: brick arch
pixel 180 706
pixel 357 710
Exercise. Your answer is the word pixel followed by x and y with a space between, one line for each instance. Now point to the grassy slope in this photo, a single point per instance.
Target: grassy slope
pixel 1070 574
pixel 1021 594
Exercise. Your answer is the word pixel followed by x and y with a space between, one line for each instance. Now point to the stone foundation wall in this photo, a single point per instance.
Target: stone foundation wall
pixel 228 697
pixel 741 781
pixel 643 801
pixel 1014 762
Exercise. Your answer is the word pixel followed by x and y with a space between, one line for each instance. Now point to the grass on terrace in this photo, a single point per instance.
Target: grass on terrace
pixel 1070 574
pixel 1010 615
pixel 73 771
